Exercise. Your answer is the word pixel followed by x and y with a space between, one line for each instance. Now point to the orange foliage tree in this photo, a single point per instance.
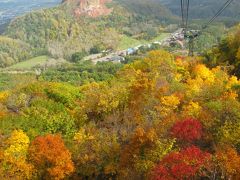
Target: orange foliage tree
pixel 50 157
pixel 229 163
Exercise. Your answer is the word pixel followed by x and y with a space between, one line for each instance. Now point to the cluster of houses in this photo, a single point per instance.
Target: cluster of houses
pixel 175 38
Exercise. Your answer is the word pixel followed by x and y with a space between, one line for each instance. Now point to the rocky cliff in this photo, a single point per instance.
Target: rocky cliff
pixel 93 8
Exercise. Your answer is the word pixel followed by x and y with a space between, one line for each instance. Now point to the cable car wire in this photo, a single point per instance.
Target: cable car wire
pixel 220 11
pixel 182 11
pixel 185 13
pixel 191 35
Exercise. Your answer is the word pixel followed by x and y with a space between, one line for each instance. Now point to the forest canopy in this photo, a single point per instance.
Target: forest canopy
pixel 162 117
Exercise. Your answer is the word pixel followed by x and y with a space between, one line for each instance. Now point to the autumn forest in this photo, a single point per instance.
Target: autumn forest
pixel 159 114
pixel 163 117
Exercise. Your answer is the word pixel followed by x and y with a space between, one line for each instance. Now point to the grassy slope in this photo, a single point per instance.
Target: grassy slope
pixel 9 80
pixel 127 42
pixel 160 37
pixel 29 64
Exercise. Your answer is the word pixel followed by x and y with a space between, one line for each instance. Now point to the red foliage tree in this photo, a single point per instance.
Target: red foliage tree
pixel 187 130
pixel 50 157
pixel 186 164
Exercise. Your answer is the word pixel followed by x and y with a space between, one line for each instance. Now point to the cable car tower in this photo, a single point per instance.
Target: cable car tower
pixel 191 35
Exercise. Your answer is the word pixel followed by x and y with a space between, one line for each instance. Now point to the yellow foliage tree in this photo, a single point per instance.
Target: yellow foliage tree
pixel 168 104
pixel 3 96
pixel 232 81
pixel 15 157
pixel 193 109
pixel 100 98
pixel 201 71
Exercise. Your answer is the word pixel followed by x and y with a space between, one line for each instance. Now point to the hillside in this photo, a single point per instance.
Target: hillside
pixel 80 25
pixel 13 51
pixel 74 27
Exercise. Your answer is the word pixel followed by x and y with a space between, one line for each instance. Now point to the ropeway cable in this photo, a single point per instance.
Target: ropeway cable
pixel 185 13
pixel 226 4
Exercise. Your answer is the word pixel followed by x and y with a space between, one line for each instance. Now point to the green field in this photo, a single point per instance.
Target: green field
pixel 160 37
pixel 127 42
pixel 29 64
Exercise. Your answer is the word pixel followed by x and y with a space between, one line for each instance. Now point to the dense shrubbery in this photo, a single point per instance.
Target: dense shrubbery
pixel 78 56
pixel 157 118
pixel 82 73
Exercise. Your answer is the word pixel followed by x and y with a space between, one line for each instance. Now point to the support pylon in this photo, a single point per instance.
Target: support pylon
pixel 191 46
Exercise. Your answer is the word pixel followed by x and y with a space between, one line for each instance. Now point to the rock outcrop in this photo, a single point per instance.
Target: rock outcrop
pixel 93 8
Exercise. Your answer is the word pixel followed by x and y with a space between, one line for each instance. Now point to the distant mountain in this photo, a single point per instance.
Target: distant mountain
pixel 205 8
pixel 148 8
